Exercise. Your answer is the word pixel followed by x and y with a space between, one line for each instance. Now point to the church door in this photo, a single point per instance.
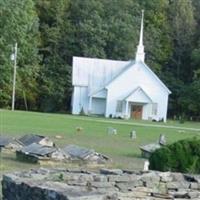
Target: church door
pixel 136 112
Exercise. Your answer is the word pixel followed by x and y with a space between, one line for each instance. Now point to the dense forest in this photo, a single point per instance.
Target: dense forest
pixel 49 33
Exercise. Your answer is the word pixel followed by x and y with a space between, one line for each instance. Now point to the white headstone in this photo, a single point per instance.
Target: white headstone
pixel 146 165
pixel 133 135
pixel 112 131
pixel 162 140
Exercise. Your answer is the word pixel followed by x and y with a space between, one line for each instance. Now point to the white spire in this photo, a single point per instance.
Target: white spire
pixel 140 48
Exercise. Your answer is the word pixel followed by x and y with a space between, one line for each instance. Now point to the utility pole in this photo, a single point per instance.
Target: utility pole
pixel 14 58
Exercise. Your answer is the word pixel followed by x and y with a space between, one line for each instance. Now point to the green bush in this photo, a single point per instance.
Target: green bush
pixel 82 112
pixel 182 156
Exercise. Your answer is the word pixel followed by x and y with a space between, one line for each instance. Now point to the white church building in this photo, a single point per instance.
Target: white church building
pixel 111 88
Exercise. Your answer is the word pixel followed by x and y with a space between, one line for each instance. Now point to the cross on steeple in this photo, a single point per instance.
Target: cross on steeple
pixel 140 55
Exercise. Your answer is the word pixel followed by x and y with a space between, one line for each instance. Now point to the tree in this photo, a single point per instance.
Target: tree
pixel 59 30
pixel 181 156
pixel 158 44
pixel 19 23
pixel 178 71
pixel 88 30
pixel 55 73
pixel 182 21
pixel 122 20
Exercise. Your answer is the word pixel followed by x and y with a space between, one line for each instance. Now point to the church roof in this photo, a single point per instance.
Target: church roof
pixel 95 73
pixel 131 63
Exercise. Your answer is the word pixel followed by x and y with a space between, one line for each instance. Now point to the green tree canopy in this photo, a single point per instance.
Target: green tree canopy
pixel 19 23
pixel 49 33
pixel 55 73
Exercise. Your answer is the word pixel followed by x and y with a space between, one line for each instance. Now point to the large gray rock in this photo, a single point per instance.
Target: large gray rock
pixel 178 185
pixel 178 177
pixel 129 186
pixel 122 178
pixel 150 179
pixel 111 171
pixel 165 177
pixel 100 178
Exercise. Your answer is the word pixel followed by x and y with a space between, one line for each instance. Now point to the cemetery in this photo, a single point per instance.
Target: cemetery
pixel 99 100
pixel 69 140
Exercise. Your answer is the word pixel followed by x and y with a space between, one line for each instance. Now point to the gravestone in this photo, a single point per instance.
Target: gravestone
pixel 133 135
pixel 146 165
pixel 162 139
pixel 112 131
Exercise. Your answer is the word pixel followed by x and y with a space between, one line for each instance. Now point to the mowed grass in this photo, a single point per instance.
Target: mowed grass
pixel 123 151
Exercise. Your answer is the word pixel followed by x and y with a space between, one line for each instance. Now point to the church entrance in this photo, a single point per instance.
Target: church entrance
pixel 136 111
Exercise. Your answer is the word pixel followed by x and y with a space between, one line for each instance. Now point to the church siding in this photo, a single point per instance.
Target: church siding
pixel 80 100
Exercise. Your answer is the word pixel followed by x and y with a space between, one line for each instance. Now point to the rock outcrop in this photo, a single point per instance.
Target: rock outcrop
pixel 115 184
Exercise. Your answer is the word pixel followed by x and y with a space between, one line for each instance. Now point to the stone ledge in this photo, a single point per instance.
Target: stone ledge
pixel 116 184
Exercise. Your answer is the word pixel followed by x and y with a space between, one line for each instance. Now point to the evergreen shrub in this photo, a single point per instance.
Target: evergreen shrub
pixel 182 156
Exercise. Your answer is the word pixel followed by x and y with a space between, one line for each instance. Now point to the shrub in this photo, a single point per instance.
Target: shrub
pixel 82 112
pixel 182 156
pixel 182 119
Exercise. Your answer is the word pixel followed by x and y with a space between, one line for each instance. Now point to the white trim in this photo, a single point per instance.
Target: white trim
pixel 135 90
pixel 148 68
pixel 143 63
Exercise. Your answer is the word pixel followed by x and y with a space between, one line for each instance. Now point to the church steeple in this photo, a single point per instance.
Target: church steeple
pixel 140 48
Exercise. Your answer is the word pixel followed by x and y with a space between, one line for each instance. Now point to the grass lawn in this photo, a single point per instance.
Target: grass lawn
pixel 124 152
